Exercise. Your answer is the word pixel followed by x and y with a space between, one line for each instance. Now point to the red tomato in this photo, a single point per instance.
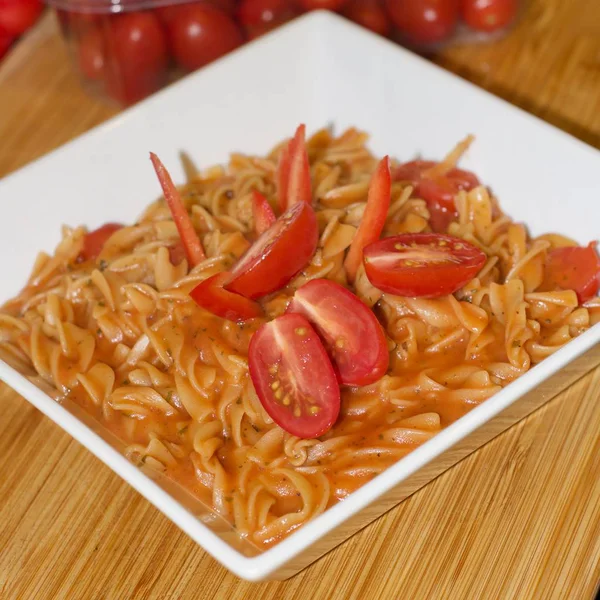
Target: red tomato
pixel 17 16
pixel 212 296
pixel 260 16
pixel 92 56
pixel 200 33
pixel 488 15
pixel 353 336
pixel 278 254
pixel 424 21
pixel 137 56
pixel 299 186
pixel 5 43
pixel 422 264
pixel 369 14
pixel 94 241
pixel 322 4
pixel 373 220
pixel 574 268
pixel 293 377
pixel 189 238
pixel 262 212
pixel 438 193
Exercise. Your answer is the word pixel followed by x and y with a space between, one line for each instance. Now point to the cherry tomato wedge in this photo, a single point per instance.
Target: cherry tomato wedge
pixel 293 377
pixel 299 186
pixel 369 14
pixel 574 268
pixel 94 241
pixel 189 238
pixel 212 296
pixel 353 336
pixel 373 220
pixel 488 15
pixel 425 265
pixel 262 212
pixel 278 254
pixel 424 21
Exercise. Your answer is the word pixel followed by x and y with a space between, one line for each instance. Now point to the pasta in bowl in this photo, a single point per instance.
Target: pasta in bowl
pixel 278 332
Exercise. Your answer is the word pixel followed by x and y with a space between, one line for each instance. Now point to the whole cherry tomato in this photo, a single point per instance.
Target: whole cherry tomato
pixel 488 15
pixel 424 21
pixel 5 43
pixel 92 55
pixel 200 33
pixel 322 4
pixel 369 14
pixel 260 16
pixel 17 16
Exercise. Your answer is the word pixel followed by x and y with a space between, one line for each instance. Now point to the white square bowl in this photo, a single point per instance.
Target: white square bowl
pixel 319 69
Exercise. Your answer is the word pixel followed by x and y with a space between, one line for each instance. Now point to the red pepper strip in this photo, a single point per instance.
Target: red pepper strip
pixel 373 220
pixel 212 296
pixel 189 238
pixel 299 186
pixel 263 214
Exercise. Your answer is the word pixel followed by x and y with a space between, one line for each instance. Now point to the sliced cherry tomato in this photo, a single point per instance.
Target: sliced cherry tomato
pixel 261 16
pixel 299 186
pixel 373 220
pixel 488 15
pixel 278 254
pixel 212 296
pixel 17 16
pixel 189 238
pixel 422 264
pixel 322 4
pixel 353 336
pixel 424 21
pixel 94 241
pixel 263 214
pixel 369 14
pixel 293 377
pixel 201 33
pixel 574 268
pixel 137 56
pixel 92 55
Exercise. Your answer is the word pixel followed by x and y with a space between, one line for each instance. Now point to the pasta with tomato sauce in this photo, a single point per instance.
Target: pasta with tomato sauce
pixel 283 329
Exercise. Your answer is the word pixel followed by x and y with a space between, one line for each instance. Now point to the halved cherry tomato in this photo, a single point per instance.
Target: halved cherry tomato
pixel 92 55
pixel 322 4
pixel 201 33
pixel 488 15
pixel 574 268
pixel 94 241
pixel 211 295
pixel 424 21
pixel 262 212
pixel 422 264
pixel 369 14
pixel 189 238
pixel 278 254
pixel 260 16
pixel 353 336
pixel 438 193
pixel 293 377
pixel 17 16
pixel 299 186
pixel 373 220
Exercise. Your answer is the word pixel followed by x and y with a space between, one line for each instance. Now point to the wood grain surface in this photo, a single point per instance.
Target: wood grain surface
pixel 519 519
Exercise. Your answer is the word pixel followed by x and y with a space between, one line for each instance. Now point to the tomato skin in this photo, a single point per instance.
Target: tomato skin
pixel 137 56
pixel 213 297
pixel 262 212
pixel 17 16
pixel 369 14
pixel 92 55
pixel 94 241
pixel 333 5
pixel 424 21
pixel 488 15
pixel 574 268
pixel 5 43
pixel 373 220
pixel 201 33
pixel 426 265
pixel 260 16
pixel 278 254
pixel 293 377
pixel 299 186
pixel 353 337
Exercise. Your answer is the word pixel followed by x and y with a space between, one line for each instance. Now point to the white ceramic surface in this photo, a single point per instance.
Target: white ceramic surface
pixel 319 69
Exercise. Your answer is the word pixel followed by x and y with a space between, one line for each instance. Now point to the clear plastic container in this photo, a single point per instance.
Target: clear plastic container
pixel 125 50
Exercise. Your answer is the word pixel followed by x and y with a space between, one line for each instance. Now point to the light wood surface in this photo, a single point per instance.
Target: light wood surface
pixel 518 519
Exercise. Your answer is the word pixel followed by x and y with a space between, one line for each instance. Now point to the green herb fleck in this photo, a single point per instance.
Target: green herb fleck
pixel 183 430
pixel 169 395
pixel 516 344
pixel 126 382
pixel 381 436
pixel 257 429
pixel 238 401
pixel 101 303
pixel 102 265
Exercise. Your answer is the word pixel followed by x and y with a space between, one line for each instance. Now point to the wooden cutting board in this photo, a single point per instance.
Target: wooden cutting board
pixel 519 519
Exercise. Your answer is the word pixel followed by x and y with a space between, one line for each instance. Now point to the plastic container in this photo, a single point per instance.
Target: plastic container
pixel 125 50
